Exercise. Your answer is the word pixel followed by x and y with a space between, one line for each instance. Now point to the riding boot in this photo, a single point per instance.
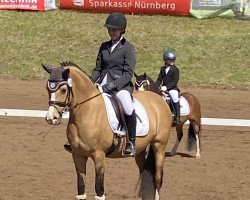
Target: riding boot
pixel 177 112
pixel 67 147
pixel 131 127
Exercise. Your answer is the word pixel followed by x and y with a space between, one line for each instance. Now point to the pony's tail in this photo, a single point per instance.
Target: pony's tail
pixel 191 139
pixel 148 187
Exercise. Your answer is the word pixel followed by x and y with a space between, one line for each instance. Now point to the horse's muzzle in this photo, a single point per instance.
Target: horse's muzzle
pixel 51 118
pixel 54 121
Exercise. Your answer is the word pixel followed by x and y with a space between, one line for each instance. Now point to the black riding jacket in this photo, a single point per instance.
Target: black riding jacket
pixel 119 65
pixel 170 80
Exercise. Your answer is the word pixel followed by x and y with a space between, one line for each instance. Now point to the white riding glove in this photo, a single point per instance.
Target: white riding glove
pixel 164 88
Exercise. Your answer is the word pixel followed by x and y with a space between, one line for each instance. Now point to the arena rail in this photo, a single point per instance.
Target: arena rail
pixel 42 114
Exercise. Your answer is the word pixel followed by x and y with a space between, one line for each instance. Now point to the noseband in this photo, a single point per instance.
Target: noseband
pixel 141 83
pixel 53 86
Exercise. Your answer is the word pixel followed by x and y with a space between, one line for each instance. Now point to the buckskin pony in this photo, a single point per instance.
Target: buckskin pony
pixel 144 82
pixel 90 136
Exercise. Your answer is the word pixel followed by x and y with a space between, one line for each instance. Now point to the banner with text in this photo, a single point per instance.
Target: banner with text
pixel 165 7
pixel 33 5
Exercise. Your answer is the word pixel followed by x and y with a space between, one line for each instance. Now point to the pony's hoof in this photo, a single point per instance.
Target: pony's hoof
pixel 198 156
pixel 100 198
pixel 81 197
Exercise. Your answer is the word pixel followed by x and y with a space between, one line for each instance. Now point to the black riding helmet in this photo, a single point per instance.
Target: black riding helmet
pixel 116 20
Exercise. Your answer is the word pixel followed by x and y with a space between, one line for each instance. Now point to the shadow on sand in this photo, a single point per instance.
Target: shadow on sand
pixel 167 154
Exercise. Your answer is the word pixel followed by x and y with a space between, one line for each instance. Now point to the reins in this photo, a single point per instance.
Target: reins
pixel 82 102
pixel 66 107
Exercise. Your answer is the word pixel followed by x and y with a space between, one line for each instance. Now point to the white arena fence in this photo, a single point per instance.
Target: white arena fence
pixel 42 114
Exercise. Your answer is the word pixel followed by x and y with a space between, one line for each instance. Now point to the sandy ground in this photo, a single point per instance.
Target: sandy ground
pixel 36 167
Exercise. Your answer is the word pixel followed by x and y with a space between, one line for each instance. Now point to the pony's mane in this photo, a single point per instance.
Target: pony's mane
pixel 152 83
pixel 71 64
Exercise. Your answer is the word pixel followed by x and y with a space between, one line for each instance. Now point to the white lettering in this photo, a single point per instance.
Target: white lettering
pixel 155 5
pixel 20 1
pixel 137 4
pixel 21 6
pixel 109 4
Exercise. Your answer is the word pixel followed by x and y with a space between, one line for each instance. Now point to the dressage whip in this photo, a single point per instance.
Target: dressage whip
pixel 48 131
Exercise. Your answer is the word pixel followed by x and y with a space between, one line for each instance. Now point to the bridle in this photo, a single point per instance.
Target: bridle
pixel 141 83
pixel 53 86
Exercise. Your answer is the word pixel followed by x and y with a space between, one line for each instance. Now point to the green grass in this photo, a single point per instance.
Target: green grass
pixel 210 52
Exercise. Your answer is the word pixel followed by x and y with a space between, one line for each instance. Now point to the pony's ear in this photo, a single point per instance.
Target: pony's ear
pixel 47 68
pixel 145 75
pixel 135 75
pixel 65 74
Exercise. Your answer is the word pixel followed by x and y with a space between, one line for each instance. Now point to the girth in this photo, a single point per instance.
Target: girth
pixel 118 111
pixel 122 123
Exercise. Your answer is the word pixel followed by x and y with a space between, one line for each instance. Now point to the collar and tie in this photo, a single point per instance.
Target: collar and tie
pixel 114 44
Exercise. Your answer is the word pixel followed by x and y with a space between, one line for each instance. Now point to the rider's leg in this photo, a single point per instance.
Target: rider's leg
pixel 175 98
pixel 177 112
pixel 130 118
pixel 67 147
pixel 131 125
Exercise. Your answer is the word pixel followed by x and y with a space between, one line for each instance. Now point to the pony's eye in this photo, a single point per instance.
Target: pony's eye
pixel 63 90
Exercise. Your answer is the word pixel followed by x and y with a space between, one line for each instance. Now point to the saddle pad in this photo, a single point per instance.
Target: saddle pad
pixel 184 107
pixel 142 124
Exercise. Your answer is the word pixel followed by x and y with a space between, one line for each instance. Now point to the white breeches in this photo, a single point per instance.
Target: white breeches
pixel 126 101
pixel 174 95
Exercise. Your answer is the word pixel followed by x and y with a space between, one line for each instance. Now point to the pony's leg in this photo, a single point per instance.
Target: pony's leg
pixel 198 155
pixel 197 135
pixel 179 132
pixel 147 183
pixel 80 165
pixel 159 162
pixel 99 160
pixel 140 159
pixel 193 137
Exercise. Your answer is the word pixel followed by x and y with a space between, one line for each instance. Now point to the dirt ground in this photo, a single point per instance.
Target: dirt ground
pixel 38 168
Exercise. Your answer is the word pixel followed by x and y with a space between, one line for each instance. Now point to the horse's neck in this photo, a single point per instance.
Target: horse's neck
pixel 88 113
pixel 153 86
pixel 84 91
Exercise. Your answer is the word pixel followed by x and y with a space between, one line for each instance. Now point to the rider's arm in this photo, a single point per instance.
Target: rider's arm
pixel 159 79
pixel 97 70
pixel 128 67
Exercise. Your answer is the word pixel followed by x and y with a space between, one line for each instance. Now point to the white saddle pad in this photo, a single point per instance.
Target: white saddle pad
pixel 184 107
pixel 142 124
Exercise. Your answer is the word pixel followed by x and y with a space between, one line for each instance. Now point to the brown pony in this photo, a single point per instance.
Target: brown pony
pixel 144 82
pixel 90 135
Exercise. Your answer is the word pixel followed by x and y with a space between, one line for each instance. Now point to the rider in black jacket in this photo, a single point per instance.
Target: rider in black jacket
pixel 168 79
pixel 115 65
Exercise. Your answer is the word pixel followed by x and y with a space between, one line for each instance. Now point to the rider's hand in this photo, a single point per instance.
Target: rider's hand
pixel 108 87
pixel 164 88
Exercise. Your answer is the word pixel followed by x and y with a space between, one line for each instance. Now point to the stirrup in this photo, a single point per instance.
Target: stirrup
pixel 176 122
pixel 68 148
pixel 129 151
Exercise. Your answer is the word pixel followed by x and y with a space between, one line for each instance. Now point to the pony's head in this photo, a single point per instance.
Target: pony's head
pixel 59 87
pixel 141 82
pixel 144 82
